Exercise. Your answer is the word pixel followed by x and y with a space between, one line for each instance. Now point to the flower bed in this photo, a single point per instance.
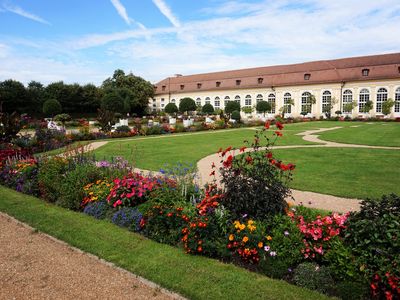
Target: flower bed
pixel 247 222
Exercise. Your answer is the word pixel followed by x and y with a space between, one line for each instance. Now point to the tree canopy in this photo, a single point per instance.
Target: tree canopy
pixel 187 104
pixel 207 108
pixel 171 108
pixel 263 107
pixel 231 106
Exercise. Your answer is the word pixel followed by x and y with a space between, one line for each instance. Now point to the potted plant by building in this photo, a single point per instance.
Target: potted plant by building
pixel 263 107
pixel 369 105
pixel 387 107
pixel 310 102
pixel 348 108
pixel 327 107
pixel 248 110
pixel 286 109
pixel 171 109
pixel 230 107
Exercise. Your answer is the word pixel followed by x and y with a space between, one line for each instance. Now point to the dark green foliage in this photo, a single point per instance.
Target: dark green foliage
pixel 187 104
pixel 11 124
pixel 50 177
pixel 14 96
pixel 231 106
pixel 123 128
pixel 105 118
pixel 113 101
pixel 236 115
pixel 207 108
pixel 171 108
pixel 314 277
pixel 263 107
pixel 81 174
pixel 373 234
pixel 51 107
pixel 352 290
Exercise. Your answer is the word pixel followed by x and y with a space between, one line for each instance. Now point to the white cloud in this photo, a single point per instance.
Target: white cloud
pixel 121 11
pixel 167 12
pixel 19 11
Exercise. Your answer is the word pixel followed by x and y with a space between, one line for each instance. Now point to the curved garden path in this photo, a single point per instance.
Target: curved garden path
pixel 310 199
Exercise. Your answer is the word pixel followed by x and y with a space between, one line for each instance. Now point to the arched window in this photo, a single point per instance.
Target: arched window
pixel 347 98
pixel 247 100
pixel 381 96
pixel 198 101
pixel 326 102
pixel 271 100
pixel 363 98
pixel 287 99
pixel 173 101
pixel 208 100
pixel 259 98
pixel 217 102
pixel 226 100
pixel 237 98
pixel 397 101
pixel 306 102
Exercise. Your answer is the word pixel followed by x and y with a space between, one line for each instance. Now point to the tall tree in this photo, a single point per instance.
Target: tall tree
pixel 36 96
pixel 14 96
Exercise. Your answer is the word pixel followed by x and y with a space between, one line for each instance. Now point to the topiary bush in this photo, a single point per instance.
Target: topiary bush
pixel 236 115
pixel 123 128
pixel 52 107
pixel 207 108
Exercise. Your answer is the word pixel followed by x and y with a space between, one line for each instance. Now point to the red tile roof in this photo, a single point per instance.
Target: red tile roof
pixel 385 66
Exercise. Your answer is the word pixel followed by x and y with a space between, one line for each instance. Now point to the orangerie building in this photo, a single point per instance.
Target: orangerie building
pixel 355 79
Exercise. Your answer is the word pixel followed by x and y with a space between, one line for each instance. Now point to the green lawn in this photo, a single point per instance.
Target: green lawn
pixel 194 277
pixel 375 134
pixel 152 153
pixel 345 172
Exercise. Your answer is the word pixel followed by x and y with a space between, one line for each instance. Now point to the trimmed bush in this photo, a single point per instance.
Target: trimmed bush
pixel 52 107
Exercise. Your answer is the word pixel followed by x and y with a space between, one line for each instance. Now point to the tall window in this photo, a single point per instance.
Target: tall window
pixel 237 99
pixel 347 98
pixel 326 101
pixel 381 97
pixel 306 102
pixel 208 100
pixel 271 100
pixel 226 100
pixel 198 101
pixel 287 107
pixel 217 102
pixel 173 101
pixel 363 98
pixel 259 98
pixel 247 100
pixel 397 100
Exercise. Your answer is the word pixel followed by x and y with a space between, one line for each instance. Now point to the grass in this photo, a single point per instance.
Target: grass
pixel 346 172
pixel 152 153
pixel 374 134
pixel 194 277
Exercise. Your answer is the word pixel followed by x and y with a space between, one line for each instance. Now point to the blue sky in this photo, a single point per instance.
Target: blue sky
pixel 86 40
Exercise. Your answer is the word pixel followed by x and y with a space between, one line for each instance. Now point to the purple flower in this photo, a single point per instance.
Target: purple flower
pixel 103 164
pixel 290 270
pixel 272 253
pixel 286 233
pixel 244 216
pixel 266 248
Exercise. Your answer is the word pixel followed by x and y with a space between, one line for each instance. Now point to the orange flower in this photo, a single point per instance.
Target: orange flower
pixel 245 239
pixel 269 238
pixel 260 244
pixel 231 237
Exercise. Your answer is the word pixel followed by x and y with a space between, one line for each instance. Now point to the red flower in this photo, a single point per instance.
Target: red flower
pixel 269 155
pixel 279 125
pixel 228 162
pixel 278 133
pixel 242 149
pixel 267 124
pixel 249 159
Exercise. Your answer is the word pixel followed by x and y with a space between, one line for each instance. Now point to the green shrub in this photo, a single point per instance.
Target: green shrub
pixel 236 115
pixel 50 177
pixel 154 130
pixel 187 104
pixel 71 186
pixel 123 128
pixel 232 106
pixel 352 290
pixel 171 108
pixel 51 107
pixel 314 277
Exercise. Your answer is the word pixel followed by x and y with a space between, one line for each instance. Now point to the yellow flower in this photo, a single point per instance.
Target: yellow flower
pixel 242 226
pixel 251 228
pixel 260 244
pixel 98 181
pixel 269 238
pixel 231 237
pixel 245 239
pixel 250 222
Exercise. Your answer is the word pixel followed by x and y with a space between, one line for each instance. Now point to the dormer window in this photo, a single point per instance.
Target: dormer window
pixel 199 85
pixel 260 80
pixel 365 72
pixel 218 84
pixel 238 82
pixel 307 76
pixel 182 86
pixel 163 87
pixel 398 69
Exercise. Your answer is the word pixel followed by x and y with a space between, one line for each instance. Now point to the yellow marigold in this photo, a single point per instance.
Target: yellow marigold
pixel 98 181
pixel 231 237
pixel 242 226
pixel 250 222
pixel 269 238
pixel 245 239
pixel 251 228
pixel 260 244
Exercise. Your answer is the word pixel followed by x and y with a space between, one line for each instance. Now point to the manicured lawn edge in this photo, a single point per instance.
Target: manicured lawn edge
pixel 194 277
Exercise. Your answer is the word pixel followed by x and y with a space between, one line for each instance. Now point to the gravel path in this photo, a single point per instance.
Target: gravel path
pixel 36 266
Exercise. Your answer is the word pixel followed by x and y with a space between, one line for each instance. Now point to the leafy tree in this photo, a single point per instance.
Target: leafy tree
pixel 63 118
pixel 36 96
pixel 327 109
pixel 187 105
pixel 171 108
pixel 140 90
pixel 368 106
pixel 10 124
pixel 207 108
pixel 14 96
pixel 231 106
pixel 348 107
pixel 247 109
pixel 52 107
pixel 91 96
pixel 113 101
pixel 387 106
pixel 263 107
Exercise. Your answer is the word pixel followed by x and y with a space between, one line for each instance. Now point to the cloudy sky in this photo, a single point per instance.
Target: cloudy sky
pixel 86 40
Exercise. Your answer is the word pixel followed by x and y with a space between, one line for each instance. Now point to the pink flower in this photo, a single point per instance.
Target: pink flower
pixel 117 203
